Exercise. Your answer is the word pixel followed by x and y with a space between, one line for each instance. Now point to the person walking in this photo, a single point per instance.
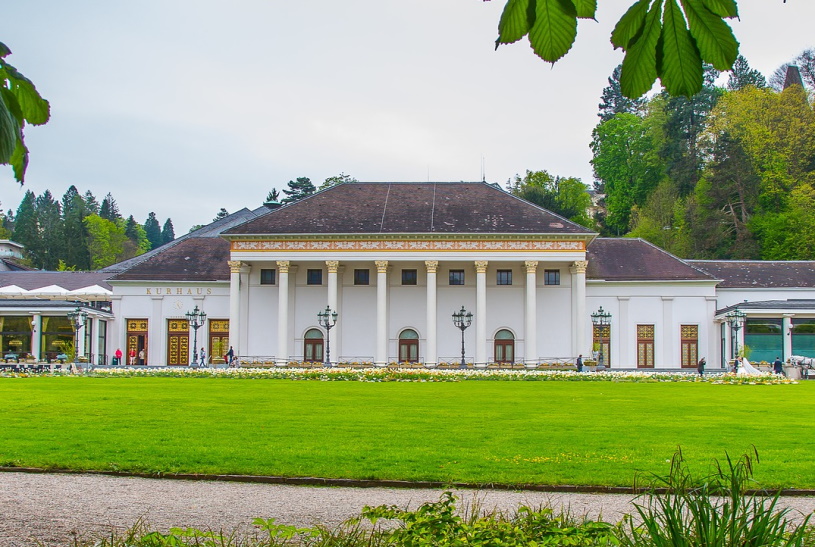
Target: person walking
pixel 701 366
pixel 230 355
pixel 579 363
pixel 203 362
pixel 117 357
pixel 778 366
pixel 132 356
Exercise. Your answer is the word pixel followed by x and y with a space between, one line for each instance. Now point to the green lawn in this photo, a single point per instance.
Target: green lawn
pixel 599 433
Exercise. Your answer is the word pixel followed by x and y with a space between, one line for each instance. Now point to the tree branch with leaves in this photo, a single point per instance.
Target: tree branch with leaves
pixel 665 39
pixel 20 103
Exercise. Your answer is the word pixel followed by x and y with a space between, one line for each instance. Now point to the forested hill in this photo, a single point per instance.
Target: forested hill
pixel 726 174
pixel 79 233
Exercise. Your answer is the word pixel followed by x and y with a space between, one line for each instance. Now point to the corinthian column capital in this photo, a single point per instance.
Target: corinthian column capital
pixel 579 266
pixel 531 266
pixel 481 266
pixel 333 265
pixel 283 266
pixel 432 265
pixel 382 266
pixel 235 266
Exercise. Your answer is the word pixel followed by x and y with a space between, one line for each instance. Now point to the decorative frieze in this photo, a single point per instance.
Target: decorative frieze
pixel 426 245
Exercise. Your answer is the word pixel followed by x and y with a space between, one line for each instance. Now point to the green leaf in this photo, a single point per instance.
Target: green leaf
pixel 554 30
pixel 13 105
pixel 4 50
pixel 630 25
pixel 680 66
pixel 722 8
pixel 36 110
pixel 713 36
pixel 516 20
pixel 586 9
pixel 9 131
pixel 639 69
pixel 19 160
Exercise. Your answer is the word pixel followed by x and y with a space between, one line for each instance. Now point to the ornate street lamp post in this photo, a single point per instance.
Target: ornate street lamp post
pixel 327 320
pixel 78 317
pixel 462 319
pixel 196 318
pixel 736 319
pixel 601 319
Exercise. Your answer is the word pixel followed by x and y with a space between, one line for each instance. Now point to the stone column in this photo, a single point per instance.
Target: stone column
pixel 235 305
pixel 670 357
pixel 481 313
pixel 282 353
pixel 93 359
pixel 333 266
pixel 623 336
pixel 381 357
pixel 579 324
pixel 786 330
pixel 36 336
pixel 431 352
pixel 531 323
pixel 154 352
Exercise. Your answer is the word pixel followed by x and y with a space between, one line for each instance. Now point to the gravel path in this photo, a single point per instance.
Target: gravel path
pixel 50 508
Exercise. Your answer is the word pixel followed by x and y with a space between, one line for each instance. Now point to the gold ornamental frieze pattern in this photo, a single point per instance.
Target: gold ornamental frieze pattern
pixel 427 245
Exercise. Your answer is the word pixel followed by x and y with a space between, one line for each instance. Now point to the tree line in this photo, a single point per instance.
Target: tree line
pixel 728 173
pixel 79 233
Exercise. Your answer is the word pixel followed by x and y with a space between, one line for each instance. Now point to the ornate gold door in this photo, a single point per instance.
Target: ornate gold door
pixel 136 342
pixel 218 339
pixel 178 342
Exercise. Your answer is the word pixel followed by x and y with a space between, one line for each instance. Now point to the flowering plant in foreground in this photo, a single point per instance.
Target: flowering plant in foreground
pixel 391 374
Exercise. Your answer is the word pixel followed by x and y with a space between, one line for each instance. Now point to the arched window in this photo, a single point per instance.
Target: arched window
pixel 408 346
pixel 313 346
pixel 504 347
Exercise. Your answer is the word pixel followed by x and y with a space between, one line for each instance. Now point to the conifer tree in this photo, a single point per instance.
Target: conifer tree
pixel 167 233
pixel 109 209
pixel 75 233
pixel 26 231
pixel 51 236
pixel 153 230
pixel 298 189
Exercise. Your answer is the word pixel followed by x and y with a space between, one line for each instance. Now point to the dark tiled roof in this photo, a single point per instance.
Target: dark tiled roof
pixel 793 304
pixel 214 229
pixel 36 279
pixel 192 259
pixel 11 264
pixel 629 259
pixel 757 274
pixel 444 207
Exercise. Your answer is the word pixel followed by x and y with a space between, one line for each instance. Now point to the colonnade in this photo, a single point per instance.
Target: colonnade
pixel 239 298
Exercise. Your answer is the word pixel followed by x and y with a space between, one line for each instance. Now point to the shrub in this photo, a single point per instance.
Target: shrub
pixel 716 510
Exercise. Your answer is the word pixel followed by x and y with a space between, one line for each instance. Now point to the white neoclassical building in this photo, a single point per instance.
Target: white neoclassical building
pixel 396 260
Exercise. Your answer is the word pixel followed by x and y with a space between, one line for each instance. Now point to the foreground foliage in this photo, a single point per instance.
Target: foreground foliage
pixel 397 374
pixel 679 511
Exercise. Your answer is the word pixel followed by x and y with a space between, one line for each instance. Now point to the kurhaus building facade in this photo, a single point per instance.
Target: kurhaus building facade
pixel 396 260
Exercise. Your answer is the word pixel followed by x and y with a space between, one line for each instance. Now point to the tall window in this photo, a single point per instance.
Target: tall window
pixel 690 345
pixel 601 341
pixel 313 346
pixel 504 277
pixel 408 346
pixel 314 277
pixel 362 277
pixel 504 347
pixel 457 277
pixel 267 277
pixel 645 346
pixel 409 277
pixel 551 277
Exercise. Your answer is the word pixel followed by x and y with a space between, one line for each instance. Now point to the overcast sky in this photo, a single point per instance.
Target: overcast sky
pixel 185 106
